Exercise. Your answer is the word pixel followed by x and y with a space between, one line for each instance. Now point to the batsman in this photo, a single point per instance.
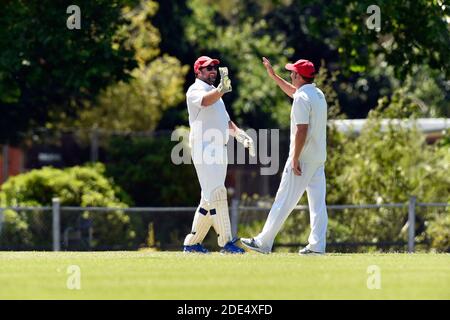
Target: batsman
pixel 210 127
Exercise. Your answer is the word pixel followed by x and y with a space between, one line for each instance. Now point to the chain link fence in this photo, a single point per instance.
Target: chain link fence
pixel 26 228
pixel 352 228
pixel 395 227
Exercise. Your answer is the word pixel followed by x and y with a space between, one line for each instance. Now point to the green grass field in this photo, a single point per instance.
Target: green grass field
pixel 170 275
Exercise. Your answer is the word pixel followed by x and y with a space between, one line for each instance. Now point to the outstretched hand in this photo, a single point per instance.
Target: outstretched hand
pixel 268 66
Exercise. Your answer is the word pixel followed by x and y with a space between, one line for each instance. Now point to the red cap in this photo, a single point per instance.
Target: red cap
pixel 204 61
pixel 302 67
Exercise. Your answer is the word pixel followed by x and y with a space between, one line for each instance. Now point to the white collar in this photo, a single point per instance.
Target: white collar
pixel 305 86
pixel 203 84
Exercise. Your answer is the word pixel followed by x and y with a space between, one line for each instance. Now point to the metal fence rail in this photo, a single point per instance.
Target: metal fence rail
pixel 235 211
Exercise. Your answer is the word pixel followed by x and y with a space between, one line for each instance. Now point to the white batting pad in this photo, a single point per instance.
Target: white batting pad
pixel 220 216
pixel 200 227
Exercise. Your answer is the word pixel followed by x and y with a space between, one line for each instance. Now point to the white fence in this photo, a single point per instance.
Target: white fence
pixel 235 211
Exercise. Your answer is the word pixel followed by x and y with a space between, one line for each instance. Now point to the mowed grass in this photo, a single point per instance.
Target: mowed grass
pixel 174 275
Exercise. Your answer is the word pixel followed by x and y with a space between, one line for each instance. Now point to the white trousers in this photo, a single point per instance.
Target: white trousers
pixel 211 167
pixel 289 193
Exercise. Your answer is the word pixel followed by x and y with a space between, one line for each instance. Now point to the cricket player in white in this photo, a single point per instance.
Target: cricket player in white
pixel 304 168
pixel 210 128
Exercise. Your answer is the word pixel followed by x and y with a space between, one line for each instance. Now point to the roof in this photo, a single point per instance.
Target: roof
pixel 426 125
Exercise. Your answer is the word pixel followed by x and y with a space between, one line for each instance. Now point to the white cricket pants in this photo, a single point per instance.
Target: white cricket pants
pixel 289 193
pixel 211 169
pixel 211 166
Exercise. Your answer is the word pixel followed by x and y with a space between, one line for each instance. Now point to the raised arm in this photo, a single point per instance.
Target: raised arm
pixel 287 88
pixel 211 97
pixel 223 87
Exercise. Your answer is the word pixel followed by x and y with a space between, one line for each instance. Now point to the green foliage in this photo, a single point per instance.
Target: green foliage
pixel 380 165
pixel 47 70
pixel 438 232
pixel 424 90
pixel 15 230
pixel 389 165
pixel 411 33
pixel 144 169
pixel 139 104
pixel 132 163
pixel 240 45
pixel 325 80
pixel 140 34
pixel 76 186
pixel 49 74
pixel 336 163
pixel 248 30
pixel 444 142
pixel 156 83
pixel 384 166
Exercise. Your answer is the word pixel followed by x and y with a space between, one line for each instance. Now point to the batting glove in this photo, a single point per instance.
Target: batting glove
pixel 225 82
pixel 246 141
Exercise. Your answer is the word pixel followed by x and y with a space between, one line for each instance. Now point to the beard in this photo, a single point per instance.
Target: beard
pixel 211 79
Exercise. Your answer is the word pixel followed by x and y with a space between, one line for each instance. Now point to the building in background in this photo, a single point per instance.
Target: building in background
pixel 14 163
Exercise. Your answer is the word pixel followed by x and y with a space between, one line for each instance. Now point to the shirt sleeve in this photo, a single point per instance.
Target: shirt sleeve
pixel 302 110
pixel 195 98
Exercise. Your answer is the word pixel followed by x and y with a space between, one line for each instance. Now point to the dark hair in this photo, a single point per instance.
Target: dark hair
pixel 307 80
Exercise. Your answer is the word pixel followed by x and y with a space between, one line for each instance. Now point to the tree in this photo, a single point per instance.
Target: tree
pixel 156 83
pixel 411 33
pixel 47 70
pixel 424 88
pixel 412 36
pixel 240 44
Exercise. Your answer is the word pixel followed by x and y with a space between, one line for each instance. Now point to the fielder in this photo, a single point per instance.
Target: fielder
pixel 304 169
pixel 210 129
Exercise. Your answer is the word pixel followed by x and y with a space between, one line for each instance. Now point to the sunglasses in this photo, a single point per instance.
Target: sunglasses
pixel 211 68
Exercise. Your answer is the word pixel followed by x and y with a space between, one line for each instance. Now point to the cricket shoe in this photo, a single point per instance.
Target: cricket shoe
pixel 230 247
pixel 196 248
pixel 252 245
pixel 305 251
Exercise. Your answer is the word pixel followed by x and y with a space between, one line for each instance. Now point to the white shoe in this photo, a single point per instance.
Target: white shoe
pixel 252 245
pixel 306 251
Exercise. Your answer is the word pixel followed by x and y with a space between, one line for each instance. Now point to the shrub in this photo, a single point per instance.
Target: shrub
pixel 76 186
pixel 438 231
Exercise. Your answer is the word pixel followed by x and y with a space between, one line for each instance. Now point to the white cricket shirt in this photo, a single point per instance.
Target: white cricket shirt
pixel 310 107
pixel 206 122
